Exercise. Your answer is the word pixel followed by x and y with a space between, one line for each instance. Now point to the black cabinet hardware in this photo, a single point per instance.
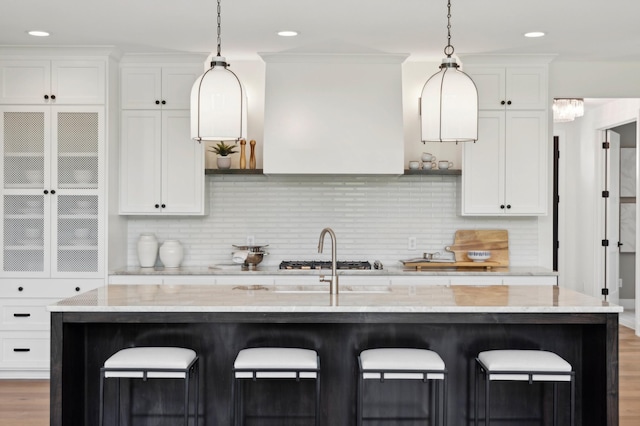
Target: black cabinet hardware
pixel 20 315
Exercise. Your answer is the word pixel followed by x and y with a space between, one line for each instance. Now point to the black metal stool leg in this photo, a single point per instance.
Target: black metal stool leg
pixel 477 395
pixel 197 406
pixel 444 401
pixel 572 415
pixel 318 399
pixel 487 396
pixel 101 409
pixel 359 401
pixel 555 403
pixel 186 399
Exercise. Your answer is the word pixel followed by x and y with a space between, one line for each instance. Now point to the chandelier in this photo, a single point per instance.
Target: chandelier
pixel 449 101
pixel 218 102
pixel 567 109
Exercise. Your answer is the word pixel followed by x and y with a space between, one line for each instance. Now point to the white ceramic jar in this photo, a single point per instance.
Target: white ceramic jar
pixel 147 250
pixel 171 253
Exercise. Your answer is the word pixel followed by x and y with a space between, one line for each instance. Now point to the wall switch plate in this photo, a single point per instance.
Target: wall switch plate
pixel 413 243
pixel 251 240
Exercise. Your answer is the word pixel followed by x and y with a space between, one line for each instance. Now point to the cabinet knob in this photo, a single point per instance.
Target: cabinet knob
pixel 508 206
pixel 508 102
pixel 157 102
pixel 53 97
pixel 46 192
pixel 164 102
pixel 53 191
pixel 163 206
pixel 502 206
pixel 502 102
pixel 20 288
pixel 46 97
pixel 77 288
pixel 157 206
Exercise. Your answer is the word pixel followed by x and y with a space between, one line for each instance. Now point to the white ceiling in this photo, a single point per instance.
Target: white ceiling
pixel 593 30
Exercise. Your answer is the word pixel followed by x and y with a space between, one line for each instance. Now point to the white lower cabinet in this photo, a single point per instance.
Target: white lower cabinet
pixel 25 323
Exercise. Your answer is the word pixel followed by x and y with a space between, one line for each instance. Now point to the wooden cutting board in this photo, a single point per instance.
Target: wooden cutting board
pixel 495 240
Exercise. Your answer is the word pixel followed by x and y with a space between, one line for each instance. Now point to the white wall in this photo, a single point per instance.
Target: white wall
pixel 582 206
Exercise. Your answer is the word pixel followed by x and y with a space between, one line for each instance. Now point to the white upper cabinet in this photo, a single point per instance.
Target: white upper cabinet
pixel 505 171
pixel 512 88
pixel 58 82
pixel 158 87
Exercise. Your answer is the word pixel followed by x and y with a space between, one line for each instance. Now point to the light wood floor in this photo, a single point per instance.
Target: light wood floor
pixel 26 402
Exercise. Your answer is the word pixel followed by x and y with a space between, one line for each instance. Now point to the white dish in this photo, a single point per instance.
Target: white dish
pixel 83 176
pixel 31 242
pixel 80 211
pixel 479 255
pixel 82 242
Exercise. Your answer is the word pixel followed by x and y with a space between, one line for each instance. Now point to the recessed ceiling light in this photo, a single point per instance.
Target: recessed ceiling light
pixel 287 33
pixel 534 34
pixel 38 33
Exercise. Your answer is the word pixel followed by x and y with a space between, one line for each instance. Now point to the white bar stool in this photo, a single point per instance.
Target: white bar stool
pixel 523 365
pixel 404 364
pixel 274 363
pixel 152 363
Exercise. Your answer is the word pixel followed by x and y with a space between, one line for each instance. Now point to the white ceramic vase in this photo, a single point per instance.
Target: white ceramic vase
pixel 224 162
pixel 147 250
pixel 171 253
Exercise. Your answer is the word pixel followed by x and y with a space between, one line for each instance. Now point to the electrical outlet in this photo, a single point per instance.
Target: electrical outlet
pixel 413 243
pixel 620 282
pixel 251 240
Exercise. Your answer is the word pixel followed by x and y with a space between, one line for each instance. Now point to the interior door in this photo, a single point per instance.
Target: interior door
pixel 612 216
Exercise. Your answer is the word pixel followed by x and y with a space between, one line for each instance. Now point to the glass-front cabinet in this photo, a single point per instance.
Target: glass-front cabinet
pixel 52 191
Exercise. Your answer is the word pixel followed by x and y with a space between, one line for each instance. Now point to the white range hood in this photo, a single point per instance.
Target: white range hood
pixel 333 113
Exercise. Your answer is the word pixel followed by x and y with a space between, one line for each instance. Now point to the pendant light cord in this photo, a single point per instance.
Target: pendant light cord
pixel 448 50
pixel 219 21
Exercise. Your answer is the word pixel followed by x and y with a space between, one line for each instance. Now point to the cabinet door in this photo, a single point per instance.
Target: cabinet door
pixel 490 83
pixel 182 166
pixel 25 145
pixel 176 86
pixel 527 88
pixel 526 162
pixel 141 88
pixel 24 82
pixel 140 162
pixel 77 225
pixel 483 167
pixel 78 82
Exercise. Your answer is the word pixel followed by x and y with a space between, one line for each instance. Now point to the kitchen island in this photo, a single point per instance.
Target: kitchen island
pixel 218 321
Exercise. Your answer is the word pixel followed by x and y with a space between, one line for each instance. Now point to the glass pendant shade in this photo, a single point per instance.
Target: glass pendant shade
pixel 449 106
pixel 218 105
pixel 565 110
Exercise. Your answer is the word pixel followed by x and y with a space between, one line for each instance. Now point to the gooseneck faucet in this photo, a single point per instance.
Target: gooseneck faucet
pixel 333 281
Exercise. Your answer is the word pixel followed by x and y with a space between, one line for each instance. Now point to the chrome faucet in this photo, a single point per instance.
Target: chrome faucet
pixel 333 281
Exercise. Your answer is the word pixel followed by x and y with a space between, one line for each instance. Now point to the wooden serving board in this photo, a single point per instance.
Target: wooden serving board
pixel 495 240
pixel 440 265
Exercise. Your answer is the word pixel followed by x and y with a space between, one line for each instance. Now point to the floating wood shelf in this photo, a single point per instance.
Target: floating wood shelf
pixel 435 172
pixel 233 171
pixel 407 172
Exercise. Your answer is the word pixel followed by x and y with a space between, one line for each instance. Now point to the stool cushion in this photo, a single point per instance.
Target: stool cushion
pixel 527 361
pixel 135 361
pixel 272 359
pixel 401 363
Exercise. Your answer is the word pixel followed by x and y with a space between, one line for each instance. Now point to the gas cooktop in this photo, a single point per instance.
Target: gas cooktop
pixel 321 264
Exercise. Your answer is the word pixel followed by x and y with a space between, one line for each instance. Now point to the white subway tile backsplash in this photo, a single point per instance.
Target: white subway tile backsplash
pixel 373 217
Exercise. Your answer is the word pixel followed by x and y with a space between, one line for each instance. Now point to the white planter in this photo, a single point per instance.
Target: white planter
pixel 224 162
pixel 147 250
pixel 171 253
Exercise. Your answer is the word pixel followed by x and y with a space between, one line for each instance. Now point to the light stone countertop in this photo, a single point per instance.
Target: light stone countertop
pixel 387 271
pixel 356 299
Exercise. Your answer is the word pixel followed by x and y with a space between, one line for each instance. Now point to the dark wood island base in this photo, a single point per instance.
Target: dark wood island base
pixel 83 339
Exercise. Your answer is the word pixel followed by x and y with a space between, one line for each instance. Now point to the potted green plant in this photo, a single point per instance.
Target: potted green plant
pixel 223 150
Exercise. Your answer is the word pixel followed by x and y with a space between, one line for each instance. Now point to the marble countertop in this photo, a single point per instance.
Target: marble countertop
pixel 387 271
pixel 357 299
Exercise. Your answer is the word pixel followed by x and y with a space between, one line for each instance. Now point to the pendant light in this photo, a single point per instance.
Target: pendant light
pixel 567 109
pixel 218 102
pixel 449 101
